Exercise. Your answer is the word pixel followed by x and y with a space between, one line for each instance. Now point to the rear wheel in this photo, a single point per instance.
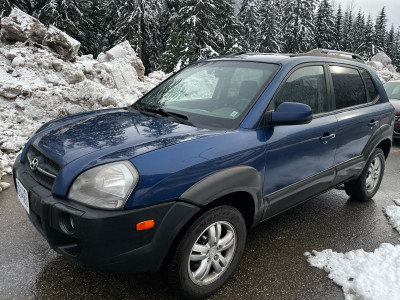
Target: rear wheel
pixel 208 253
pixel 367 184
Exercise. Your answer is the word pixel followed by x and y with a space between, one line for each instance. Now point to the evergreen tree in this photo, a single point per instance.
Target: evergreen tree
pixel 325 26
pixel 380 30
pixel 228 27
pixel 338 30
pixel 270 33
pixel 369 48
pixel 396 49
pixel 150 43
pixel 249 16
pixel 359 33
pixel 389 45
pixel 348 31
pixel 127 26
pixel 201 30
pixel 299 26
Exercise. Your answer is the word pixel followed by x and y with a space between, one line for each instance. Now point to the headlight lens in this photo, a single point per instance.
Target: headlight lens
pixel 107 186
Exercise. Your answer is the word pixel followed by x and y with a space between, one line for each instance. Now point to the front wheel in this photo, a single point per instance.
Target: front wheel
pixel 367 184
pixel 208 253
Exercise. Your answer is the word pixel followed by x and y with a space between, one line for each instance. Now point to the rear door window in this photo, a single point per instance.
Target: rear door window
pixel 348 87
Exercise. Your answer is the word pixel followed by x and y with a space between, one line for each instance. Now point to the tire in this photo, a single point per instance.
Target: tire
pixel 367 184
pixel 200 266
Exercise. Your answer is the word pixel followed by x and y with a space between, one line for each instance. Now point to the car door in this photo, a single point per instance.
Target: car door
pixel 299 158
pixel 358 120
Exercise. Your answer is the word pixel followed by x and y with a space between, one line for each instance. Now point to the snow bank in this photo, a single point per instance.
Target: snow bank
pixel 19 26
pixel 362 275
pixel 383 67
pixel 365 275
pixel 38 84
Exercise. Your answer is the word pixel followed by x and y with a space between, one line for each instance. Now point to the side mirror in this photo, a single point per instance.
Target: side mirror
pixel 290 113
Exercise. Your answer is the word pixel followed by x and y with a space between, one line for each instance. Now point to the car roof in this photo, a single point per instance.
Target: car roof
pixel 279 58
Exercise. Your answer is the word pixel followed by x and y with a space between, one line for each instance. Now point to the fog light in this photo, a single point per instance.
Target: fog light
pixel 67 223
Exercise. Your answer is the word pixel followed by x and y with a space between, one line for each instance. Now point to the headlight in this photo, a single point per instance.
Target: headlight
pixel 107 186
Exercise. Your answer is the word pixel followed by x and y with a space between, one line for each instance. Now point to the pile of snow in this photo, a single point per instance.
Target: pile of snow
pixel 383 67
pixel 19 26
pixel 41 81
pixel 365 275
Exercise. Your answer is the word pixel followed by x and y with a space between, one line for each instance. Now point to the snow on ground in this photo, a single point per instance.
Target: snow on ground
pixel 38 84
pixel 365 275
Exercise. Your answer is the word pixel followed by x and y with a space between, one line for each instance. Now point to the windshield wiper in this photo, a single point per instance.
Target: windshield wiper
pixel 159 111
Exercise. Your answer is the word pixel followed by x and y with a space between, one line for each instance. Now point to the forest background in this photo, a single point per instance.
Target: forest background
pixel 170 34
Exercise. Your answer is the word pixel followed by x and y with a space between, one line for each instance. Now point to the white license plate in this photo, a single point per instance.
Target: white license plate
pixel 22 195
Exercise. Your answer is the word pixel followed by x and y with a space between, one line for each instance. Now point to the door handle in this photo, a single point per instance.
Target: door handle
pixel 326 137
pixel 373 123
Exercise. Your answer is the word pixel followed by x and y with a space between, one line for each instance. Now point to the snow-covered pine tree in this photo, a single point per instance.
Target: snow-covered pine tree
pixel 127 27
pixel 171 30
pixel 359 33
pixel 270 31
pixel 325 26
pixel 338 31
pixel 396 49
pixel 390 42
pixel 228 27
pixel 150 43
pixel 198 32
pixel 369 48
pixel 100 33
pixel 380 30
pixel 348 31
pixel 298 27
pixel 249 16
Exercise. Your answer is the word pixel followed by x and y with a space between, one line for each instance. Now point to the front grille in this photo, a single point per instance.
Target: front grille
pixel 43 169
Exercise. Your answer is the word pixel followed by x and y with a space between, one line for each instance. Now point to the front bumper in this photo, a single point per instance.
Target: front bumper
pixel 104 240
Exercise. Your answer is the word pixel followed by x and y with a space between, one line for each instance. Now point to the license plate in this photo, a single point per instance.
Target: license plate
pixel 23 195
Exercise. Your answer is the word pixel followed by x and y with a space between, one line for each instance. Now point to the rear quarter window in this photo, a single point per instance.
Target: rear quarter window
pixel 369 84
pixel 348 87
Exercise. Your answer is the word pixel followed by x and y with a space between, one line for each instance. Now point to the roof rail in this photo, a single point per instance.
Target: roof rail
pixel 333 53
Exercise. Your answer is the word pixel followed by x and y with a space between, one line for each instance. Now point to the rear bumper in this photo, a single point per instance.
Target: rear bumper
pixel 104 240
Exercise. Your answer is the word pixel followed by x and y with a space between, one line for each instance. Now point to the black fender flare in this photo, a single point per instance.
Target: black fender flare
pixel 385 132
pixel 227 181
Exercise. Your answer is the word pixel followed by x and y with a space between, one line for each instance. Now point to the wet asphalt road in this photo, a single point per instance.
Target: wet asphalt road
pixel 273 266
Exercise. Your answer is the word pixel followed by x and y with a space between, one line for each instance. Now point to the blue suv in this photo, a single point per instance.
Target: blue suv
pixel 181 176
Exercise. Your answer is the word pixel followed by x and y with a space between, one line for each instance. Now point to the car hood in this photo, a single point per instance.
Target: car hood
pixel 115 134
pixel 396 104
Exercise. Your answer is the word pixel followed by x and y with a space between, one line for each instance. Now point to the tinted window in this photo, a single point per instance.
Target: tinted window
pixel 369 84
pixel 306 85
pixel 348 86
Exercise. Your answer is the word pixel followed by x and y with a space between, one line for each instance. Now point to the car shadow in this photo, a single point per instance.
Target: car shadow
pixel 64 279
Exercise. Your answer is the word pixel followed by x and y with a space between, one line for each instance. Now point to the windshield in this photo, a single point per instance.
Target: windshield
pixel 392 89
pixel 214 95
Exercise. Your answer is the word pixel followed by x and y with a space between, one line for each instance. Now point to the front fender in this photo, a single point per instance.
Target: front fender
pixel 227 181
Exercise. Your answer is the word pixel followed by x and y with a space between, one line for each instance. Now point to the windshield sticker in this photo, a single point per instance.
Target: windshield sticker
pixel 234 114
